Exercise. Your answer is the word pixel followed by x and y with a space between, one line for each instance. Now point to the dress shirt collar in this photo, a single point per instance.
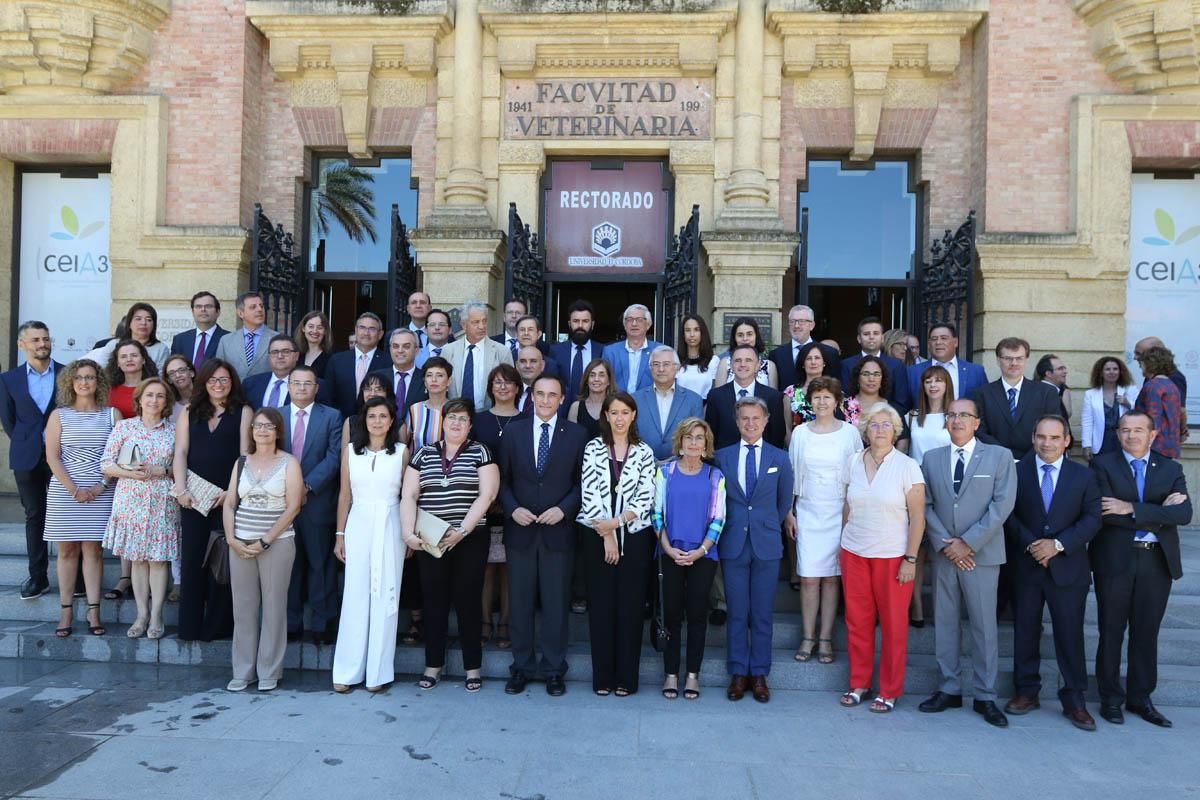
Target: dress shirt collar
pixel 631 351
pixel 664 393
pixel 1008 385
pixel 1040 463
pixel 360 354
pixel 749 387
pixel 757 443
pixel 33 373
pixel 306 409
pixel 1130 458
pixel 968 450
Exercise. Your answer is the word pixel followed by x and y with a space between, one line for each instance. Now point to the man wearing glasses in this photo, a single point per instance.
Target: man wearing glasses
pixel 200 343
pixel 270 389
pixel 630 359
pixel 347 369
pixel 800 322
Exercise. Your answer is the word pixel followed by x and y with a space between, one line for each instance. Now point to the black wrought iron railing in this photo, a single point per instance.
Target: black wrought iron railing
pixel 946 285
pixel 276 272
pixel 524 266
pixel 402 271
pixel 679 277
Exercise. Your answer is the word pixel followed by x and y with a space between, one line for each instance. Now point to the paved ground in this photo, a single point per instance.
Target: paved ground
pixel 73 730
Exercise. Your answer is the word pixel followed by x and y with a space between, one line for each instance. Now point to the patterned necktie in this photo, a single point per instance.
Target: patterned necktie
pixel 201 347
pixel 543 452
pixel 960 469
pixel 751 470
pixel 250 337
pixel 298 435
pixel 360 371
pixel 1139 477
pixel 273 400
pixel 1047 486
pixel 512 347
pixel 576 372
pixel 1012 402
pixel 468 376
pixel 401 394
pixel 437 351
pixel 741 393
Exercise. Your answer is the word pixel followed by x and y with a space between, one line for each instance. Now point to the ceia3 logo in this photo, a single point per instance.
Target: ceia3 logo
pixel 76 257
pixel 606 243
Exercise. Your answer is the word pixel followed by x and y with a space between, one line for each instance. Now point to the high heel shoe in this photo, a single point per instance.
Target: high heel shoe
pixel 63 633
pixel 690 692
pixel 97 629
pixel 117 593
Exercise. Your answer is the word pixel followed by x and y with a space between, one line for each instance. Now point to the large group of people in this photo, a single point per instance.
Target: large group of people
pixel 286 491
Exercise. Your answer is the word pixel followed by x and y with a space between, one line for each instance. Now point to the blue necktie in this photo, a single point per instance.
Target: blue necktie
pixel 1139 477
pixel 543 449
pixel 273 400
pixel 1047 486
pixel 512 347
pixel 468 376
pixel 1012 402
pixel 576 371
pixel 751 470
pixel 960 469
pixel 250 337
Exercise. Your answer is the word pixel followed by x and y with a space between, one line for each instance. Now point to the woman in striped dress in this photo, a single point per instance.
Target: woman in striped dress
pixel 424 424
pixel 78 502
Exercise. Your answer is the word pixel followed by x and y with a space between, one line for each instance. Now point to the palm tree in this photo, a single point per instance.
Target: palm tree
pixel 345 194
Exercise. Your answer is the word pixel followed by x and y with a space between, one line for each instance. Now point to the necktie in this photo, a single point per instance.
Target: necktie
pixel 543 449
pixel 1012 402
pixel 576 372
pixel 273 400
pixel 1047 486
pixel 401 394
pixel 437 351
pixel 421 338
pixel 512 347
pixel 1139 477
pixel 751 470
pixel 201 347
pixel 360 371
pixel 960 468
pixel 250 337
pixel 741 393
pixel 468 376
pixel 298 435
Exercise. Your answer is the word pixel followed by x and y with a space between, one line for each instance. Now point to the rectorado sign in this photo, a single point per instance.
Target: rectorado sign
pixel 606 220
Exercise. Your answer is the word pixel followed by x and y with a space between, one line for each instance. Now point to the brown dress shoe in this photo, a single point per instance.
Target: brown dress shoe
pixel 737 687
pixel 1080 718
pixel 1022 705
pixel 761 693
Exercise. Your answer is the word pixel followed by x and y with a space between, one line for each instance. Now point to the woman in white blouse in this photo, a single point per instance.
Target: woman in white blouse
pixel 696 358
pixel 617 504
pixel 1111 395
pixel 927 430
pixel 884 523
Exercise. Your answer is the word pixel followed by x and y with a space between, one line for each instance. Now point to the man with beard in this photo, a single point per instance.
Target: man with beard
pixel 570 357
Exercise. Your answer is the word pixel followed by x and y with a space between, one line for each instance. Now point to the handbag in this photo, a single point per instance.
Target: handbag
pixel 130 456
pixel 204 494
pixel 431 528
pixel 216 557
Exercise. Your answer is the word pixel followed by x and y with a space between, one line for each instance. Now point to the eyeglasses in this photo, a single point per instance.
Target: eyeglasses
pixel 458 419
pixel 881 426
pixel 1013 359
pixel 795 322
pixel 963 415
pixel 218 381
pixel 86 378
pixel 204 307
pixel 302 384
pixel 661 364
pixel 287 352
pixel 263 426
pixel 636 319
pixel 502 382
pixel 178 373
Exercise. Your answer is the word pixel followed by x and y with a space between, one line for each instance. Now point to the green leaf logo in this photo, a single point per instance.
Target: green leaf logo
pixel 71 222
pixel 1166 231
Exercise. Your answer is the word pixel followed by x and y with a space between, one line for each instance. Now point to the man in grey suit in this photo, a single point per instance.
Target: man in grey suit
pixel 664 405
pixel 246 348
pixel 474 356
pixel 972 487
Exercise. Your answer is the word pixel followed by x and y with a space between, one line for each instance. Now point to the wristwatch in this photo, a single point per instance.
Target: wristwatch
pixel 264 544
pixel 1058 546
pixel 910 559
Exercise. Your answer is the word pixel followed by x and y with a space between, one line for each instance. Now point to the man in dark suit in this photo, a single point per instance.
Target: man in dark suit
pixel 800 322
pixel 530 364
pixel 1135 557
pixel 870 340
pixel 1010 405
pixel 313 434
pixel 200 343
pixel 26 399
pixel 407 379
pixel 719 410
pixel 540 461
pixel 347 369
pixel 966 376
pixel 514 310
pixel 271 388
pixel 758 481
pixel 571 357
pixel 1057 515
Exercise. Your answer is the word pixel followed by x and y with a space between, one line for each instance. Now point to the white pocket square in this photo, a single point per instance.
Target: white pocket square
pixel 981 476
pixel 772 469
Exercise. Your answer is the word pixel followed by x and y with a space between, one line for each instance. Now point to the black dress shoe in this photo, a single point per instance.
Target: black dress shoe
pixel 717 617
pixel 1112 714
pixel 34 588
pixel 516 683
pixel 1149 713
pixel 940 701
pixel 556 686
pixel 991 712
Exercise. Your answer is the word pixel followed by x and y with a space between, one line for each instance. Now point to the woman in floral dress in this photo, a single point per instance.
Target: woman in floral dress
pixel 810 364
pixel 144 526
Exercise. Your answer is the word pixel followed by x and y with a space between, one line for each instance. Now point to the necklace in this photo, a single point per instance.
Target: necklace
pixel 502 424
pixel 878 461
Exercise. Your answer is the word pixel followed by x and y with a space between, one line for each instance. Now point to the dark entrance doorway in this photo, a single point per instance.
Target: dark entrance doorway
pixel 837 310
pixel 342 299
pixel 610 301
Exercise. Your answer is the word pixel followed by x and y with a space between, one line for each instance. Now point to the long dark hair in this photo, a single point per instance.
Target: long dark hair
pixel 389 394
pixel 942 375
pixel 149 309
pixel 1124 378
pixel 801 356
pixel 360 438
pixel 584 389
pixel 113 369
pixel 739 322
pixel 201 407
pixel 885 380
pixel 606 429
pixel 706 346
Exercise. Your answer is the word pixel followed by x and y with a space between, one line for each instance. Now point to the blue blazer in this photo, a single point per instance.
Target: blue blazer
pixel 559 485
pixel 970 377
pixel 618 359
pixel 756 520
pixel 184 343
pixel 897 380
pixel 343 388
pixel 1073 519
pixel 319 462
pixel 561 353
pixel 23 421
pixel 686 403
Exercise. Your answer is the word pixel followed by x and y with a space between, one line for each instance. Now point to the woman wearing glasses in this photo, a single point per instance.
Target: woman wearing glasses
pixel 209 436
pixel 884 521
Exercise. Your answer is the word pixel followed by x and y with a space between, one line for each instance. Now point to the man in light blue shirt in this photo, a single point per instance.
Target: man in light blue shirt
pixel 437 336
pixel 630 359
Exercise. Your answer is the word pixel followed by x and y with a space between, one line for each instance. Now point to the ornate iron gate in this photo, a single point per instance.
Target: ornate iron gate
pixel 402 272
pixel 276 272
pixel 946 285
pixel 524 266
pixel 679 277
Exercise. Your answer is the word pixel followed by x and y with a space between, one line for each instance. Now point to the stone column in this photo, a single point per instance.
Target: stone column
pixel 465 192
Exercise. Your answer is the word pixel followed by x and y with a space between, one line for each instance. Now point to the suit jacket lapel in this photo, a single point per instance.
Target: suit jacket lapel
pixel 655 417
pixel 969 470
pixel 1023 400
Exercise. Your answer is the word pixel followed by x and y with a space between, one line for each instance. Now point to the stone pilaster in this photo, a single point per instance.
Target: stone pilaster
pixel 461 264
pixel 747 270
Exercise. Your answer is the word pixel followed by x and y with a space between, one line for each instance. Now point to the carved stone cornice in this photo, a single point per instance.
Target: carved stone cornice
pixel 861 60
pixel 353 57
pixel 75 46
pixel 1150 46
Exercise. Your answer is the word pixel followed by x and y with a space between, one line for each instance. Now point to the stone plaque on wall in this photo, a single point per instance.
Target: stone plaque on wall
pixel 608 108
pixel 766 334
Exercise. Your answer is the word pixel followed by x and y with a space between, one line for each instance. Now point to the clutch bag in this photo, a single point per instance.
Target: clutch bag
pixel 130 456
pixel 204 494
pixel 431 528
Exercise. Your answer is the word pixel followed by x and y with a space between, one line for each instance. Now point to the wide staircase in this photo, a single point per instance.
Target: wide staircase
pixel 27 632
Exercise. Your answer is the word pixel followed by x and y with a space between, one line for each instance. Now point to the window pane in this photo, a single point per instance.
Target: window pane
pixel 332 248
pixel 862 224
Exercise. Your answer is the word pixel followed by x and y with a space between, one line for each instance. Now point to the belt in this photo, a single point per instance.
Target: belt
pixel 1145 545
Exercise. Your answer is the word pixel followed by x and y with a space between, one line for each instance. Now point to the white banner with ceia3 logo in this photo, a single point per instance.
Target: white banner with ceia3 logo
pixel 1164 274
pixel 66 276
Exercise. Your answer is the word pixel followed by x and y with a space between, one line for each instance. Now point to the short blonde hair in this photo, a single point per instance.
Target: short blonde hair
pixel 141 389
pixel 882 407
pixel 684 428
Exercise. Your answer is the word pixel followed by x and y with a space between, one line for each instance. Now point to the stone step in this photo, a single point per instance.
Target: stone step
pixel 15 569
pixel 1178 685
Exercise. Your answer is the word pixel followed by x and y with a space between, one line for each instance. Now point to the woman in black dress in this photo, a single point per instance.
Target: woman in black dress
pixel 210 434
pixel 314 341
pixel 597 387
